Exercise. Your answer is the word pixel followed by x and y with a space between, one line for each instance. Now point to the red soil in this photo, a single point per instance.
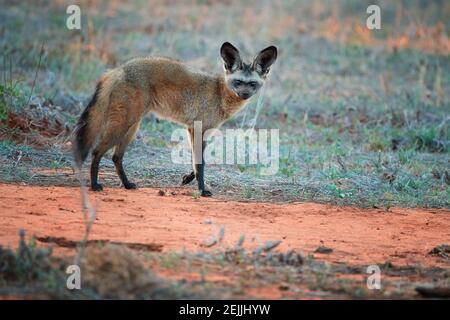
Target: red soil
pixel 177 220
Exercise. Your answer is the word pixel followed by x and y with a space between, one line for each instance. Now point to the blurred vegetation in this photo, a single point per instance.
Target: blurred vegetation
pixel 31 272
pixel 113 271
pixel 363 115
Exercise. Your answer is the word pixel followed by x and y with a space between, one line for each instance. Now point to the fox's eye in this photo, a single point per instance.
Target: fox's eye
pixel 237 83
pixel 253 84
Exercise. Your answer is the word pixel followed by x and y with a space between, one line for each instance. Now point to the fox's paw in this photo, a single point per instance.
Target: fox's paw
pixel 130 186
pixel 187 178
pixel 97 187
pixel 206 193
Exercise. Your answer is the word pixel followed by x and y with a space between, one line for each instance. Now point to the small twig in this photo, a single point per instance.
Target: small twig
pixel 89 215
pixel 4 71
pixel 267 247
pixel 36 73
pixel 10 71
pixel 240 241
pixel 10 81
pixel 215 240
pixel 221 234
pixel 18 159
pixel 341 163
pixel 270 245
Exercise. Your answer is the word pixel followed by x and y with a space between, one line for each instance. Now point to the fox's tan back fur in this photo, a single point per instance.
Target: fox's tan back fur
pixel 175 92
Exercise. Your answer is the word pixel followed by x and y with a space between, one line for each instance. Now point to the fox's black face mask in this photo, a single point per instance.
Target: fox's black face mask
pixel 246 79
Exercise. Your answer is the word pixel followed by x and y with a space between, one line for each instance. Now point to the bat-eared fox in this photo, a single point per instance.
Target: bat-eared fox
pixel 172 91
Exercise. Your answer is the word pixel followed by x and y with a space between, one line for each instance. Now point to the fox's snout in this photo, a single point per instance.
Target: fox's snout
pixel 244 95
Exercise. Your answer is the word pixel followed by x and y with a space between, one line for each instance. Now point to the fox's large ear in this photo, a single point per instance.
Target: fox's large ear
pixel 231 58
pixel 264 60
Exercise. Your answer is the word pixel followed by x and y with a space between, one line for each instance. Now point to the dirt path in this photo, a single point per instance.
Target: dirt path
pixel 177 220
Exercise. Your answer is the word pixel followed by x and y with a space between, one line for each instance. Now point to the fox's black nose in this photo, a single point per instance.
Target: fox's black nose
pixel 244 95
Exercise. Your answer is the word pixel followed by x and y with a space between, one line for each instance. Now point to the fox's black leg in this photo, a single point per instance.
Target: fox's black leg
pixel 187 178
pixel 97 156
pixel 117 159
pixel 118 156
pixel 199 168
pixel 200 175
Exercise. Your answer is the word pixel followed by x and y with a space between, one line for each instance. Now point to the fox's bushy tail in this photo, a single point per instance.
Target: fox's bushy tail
pixel 83 141
pixel 91 121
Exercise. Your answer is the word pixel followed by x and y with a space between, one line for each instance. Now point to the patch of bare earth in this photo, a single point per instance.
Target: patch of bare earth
pixel 149 220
